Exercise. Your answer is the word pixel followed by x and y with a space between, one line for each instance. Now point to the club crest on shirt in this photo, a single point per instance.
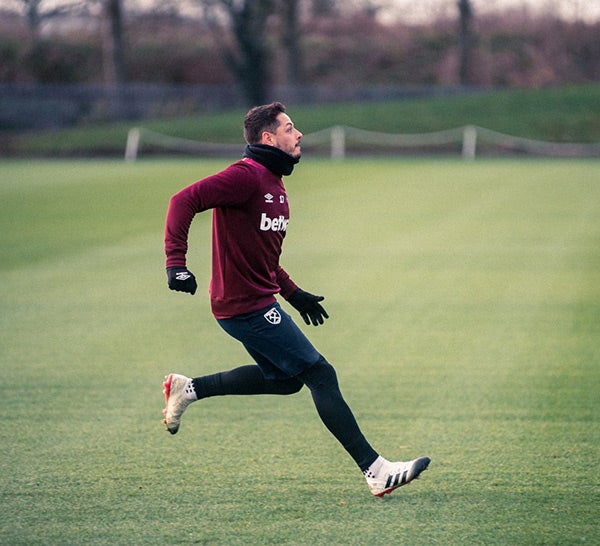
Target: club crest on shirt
pixel 273 316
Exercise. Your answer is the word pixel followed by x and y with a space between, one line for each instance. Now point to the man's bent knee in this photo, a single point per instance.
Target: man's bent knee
pixel 290 386
pixel 320 374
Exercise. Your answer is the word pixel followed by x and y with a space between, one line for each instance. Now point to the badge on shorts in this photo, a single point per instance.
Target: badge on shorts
pixel 273 316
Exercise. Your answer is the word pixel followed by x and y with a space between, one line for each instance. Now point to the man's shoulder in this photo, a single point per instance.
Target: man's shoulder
pixel 244 167
pixel 251 164
pixel 249 171
pixel 236 183
pixel 238 172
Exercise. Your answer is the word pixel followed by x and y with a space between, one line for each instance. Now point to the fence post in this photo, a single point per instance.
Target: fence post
pixel 338 142
pixel 133 144
pixel 469 143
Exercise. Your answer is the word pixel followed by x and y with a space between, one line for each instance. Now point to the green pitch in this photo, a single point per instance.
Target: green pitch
pixel 464 302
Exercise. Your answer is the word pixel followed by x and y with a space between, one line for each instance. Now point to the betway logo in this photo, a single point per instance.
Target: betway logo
pixel 273 224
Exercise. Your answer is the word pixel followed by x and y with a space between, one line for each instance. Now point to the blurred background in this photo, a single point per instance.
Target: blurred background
pixel 64 63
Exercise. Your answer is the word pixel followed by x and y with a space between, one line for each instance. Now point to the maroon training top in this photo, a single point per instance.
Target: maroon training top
pixel 250 218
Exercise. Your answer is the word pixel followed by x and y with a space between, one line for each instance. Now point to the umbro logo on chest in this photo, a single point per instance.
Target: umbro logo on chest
pixel 270 198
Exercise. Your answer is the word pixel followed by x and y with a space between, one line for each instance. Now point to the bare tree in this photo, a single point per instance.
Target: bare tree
pixel 33 16
pixel 248 55
pixel 112 42
pixel 38 11
pixel 465 41
pixel 291 40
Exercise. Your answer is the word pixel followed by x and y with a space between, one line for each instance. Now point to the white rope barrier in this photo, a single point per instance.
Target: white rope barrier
pixel 340 138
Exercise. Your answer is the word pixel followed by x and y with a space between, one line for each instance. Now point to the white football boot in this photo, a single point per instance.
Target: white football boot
pixel 392 475
pixel 179 394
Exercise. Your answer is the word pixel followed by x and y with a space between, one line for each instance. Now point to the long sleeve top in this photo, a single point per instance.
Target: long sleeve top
pixel 250 219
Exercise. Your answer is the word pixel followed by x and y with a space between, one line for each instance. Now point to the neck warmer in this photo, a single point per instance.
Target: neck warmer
pixel 274 159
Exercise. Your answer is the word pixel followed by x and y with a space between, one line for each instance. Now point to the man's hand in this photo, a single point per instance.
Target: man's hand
pixel 309 307
pixel 181 279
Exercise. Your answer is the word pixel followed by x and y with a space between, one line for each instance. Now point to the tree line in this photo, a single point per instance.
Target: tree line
pixel 257 43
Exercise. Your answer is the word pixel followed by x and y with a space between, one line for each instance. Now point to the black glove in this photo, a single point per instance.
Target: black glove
pixel 181 279
pixel 309 307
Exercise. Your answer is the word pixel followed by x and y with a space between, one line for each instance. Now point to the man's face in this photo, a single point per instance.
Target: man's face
pixel 287 138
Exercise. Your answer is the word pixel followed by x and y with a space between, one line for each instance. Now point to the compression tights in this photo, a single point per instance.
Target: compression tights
pixel 322 382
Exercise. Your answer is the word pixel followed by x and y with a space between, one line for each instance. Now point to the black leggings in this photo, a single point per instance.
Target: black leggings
pixel 322 382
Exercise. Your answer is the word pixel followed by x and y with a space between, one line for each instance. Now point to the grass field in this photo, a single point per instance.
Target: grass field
pixel 464 302
pixel 565 114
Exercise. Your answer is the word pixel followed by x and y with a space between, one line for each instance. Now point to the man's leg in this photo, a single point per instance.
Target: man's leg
pixel 180 391
pixel 245 380
pixel 282 351
pixel 287 360
pixel 382 476
pixel 333 410
pixel 320 378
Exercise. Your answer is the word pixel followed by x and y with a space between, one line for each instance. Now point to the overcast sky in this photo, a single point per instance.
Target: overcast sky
pixel 411 10
pixel 420 10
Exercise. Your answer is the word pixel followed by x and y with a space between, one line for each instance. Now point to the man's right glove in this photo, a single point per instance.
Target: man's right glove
pixel 309 307
pixel 181 279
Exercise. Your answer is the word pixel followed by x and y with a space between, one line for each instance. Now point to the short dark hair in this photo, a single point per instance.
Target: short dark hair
pixel 260 119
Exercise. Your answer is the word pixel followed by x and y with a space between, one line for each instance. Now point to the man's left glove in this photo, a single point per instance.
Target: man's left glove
pixel 309 307
pixel 181 279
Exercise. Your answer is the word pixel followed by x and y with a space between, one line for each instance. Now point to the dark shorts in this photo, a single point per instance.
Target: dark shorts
pixel 274 341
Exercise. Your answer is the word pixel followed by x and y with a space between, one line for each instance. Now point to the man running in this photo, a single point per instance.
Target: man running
pixel 250 220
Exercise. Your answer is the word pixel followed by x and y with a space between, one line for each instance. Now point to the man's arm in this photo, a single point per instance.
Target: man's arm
pixel 183 206
pixel 286 285
pixel 180 214
pixel 227 188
